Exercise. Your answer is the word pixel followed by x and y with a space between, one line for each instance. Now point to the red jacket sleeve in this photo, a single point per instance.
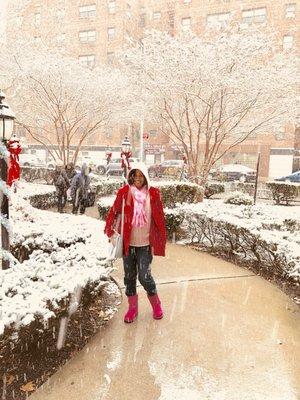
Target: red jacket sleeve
pixel 161 222
pixel 112 214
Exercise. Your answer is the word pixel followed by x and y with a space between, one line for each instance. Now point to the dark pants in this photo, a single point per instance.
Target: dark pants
pixel 61 201
pixel 81 205
pixel 138 263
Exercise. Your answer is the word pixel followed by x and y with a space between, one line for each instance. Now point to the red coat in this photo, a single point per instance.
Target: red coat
pixel 157 236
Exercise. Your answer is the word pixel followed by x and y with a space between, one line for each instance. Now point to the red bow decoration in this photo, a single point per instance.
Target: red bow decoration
pixel 125 157
pixel 14 148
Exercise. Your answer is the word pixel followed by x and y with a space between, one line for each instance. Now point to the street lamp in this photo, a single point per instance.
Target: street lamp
pixel 6 128
pixel 125 155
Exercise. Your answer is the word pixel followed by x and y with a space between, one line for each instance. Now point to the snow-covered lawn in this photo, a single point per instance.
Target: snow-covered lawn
pixel 70 252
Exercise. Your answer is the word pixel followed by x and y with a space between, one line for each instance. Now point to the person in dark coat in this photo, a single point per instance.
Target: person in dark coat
pixel 62 184
pixel 144 235
pixel 80 188
pixel 70 171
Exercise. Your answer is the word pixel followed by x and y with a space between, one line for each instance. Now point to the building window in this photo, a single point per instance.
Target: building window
pixel 88 60
pixel 128 36
pixel 128 10
pixel 60 14
pixel 156 15
pixel 87 36
pixel 153 133
pixel 87 11
pixel 280 134
pixel 186 24
pixel 141 44
pixel 61 38
pixel 218 20
pixel 288 41
pixel 18 21
pixel 111 7
pixel 111 32
pixel 110 57
pixel 257 15
pixel 142 20
pixel 37 19
pixel 290 10
pixel 171 18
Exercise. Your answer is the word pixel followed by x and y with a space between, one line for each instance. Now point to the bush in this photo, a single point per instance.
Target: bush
pixel 212 188
pixel 238 198
pixel 179 192
pixel 43 201
pixel 104 205
pixel 174 219
pixel 283 192
pixel 49 260
pixel 246 187
pixel 265 248
pixel 171 194
pixel 104 187
pixel 30 174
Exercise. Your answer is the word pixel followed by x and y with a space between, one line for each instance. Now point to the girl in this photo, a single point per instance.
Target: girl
pixel 144 236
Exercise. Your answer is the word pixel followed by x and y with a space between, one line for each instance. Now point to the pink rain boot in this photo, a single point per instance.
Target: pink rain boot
pixel 156 306
pixel 132 312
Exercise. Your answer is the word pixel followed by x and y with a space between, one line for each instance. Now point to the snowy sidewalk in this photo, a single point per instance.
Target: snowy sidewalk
pixel 226 335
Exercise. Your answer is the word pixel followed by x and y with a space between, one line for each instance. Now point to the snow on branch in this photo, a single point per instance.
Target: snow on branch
pixel 210 94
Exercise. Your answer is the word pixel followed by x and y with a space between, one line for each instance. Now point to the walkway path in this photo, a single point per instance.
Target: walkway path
pixel 226 335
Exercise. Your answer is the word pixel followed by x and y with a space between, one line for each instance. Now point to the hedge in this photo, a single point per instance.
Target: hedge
pixel 269 247
pixel 179 192
pixel 171 193
pixel 238 198
pixel 284 192
pixel 212 188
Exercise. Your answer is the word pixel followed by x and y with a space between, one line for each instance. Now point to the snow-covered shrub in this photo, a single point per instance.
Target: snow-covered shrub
pixel 171 193
pixel 179 192
pixel 64 252
pixel 39 196
pixel 174 219
pixel 258 236
pixel 245 187
pixel 43 201
pixel 31 174
pixel 104 186
pixel 212 188
pixel 283 192
pixel 104 205
pixel 238 198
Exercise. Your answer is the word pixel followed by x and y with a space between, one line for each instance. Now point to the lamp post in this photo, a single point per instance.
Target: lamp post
pixel 6 128
pixel 125 154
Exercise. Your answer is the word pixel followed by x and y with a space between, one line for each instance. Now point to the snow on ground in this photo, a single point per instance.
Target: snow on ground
pixel 52 272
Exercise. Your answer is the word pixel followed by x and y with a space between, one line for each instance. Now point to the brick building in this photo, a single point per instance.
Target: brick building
pixel 94 30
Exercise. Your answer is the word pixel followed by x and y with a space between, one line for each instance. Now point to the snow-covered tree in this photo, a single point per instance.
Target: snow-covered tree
pixel 212 93
pixel 57 100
